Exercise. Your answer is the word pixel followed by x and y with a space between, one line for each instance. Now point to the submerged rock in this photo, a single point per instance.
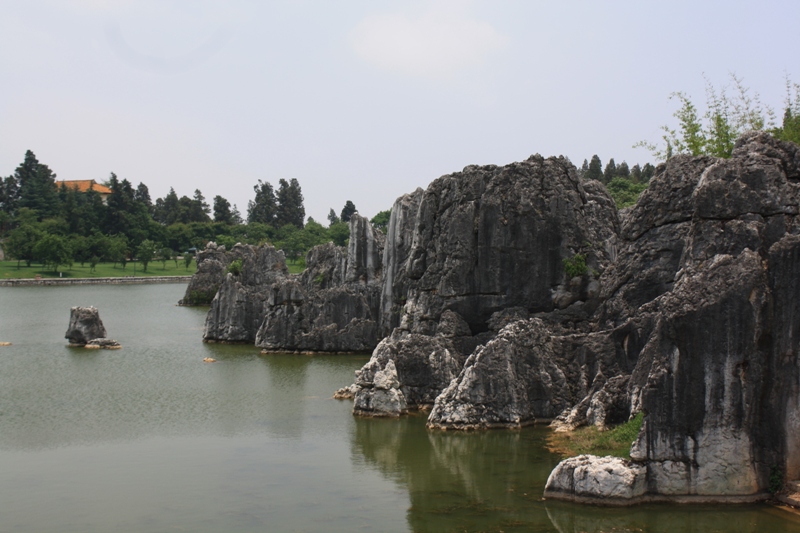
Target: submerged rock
pixel 84 325
pixel 103 343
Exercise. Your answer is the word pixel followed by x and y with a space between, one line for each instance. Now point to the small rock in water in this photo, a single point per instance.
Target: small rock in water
pixel 84 325
pixel 106 344
pixel 346 393
pixel 209 360
pixel 5 344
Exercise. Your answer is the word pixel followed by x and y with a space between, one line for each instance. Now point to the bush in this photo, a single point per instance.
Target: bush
pixel 575 265
pixel 235 267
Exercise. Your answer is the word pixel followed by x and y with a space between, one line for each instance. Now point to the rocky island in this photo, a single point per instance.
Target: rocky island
pixel 509 295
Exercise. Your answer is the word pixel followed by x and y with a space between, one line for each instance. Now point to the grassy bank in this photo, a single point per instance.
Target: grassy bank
pixel 587 440
pixel 9 270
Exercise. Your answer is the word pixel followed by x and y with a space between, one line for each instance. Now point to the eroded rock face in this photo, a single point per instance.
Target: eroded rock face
pixel 334 305
pixel 599 479
pixel 84 325
pixel 490 237
pixel 424 364
pixel 716 370
pixel 212 265
pixel 239 306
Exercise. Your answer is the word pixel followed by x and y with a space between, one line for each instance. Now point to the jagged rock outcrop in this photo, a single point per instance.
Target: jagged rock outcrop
pixel 717 370
pixel 686 311
pixel 238 308
pixel 84 325
pixel 487 240
pixel 334 305
pixel 212 265
pixel 423 364
pixel 490 237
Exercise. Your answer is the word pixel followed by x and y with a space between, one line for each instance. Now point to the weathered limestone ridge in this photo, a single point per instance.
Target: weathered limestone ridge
pixel 509 295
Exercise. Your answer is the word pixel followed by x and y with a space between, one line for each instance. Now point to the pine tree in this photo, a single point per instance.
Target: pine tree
pixel 636 173
pixel 262 208
pixel 610 171
pixel 37 188
pixel 584 169
pixel 623 171
pixel 290 208
pixel 332 218
pixel 222 210
pixel 595 171
pixel 347 211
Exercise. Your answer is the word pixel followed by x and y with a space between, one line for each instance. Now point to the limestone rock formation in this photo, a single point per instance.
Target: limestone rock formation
pixel 489 245
pixel 423 364
pixel 84 325
pixel 212 265
pixel 238 308
pixel 385 397
pixel 597 479
pixel 334 305
pixel 716 370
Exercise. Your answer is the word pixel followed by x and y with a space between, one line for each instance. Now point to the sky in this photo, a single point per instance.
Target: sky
pixel 362 100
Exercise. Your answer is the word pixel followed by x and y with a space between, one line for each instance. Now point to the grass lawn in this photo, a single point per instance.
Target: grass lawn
pixel 295 267
pixel 8 270
pixel 616 441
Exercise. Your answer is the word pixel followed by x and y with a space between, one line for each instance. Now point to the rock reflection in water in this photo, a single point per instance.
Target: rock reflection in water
pixel 458 480
pixel 493 481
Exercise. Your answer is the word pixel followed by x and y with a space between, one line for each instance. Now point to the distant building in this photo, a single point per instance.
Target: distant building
pixel 86 186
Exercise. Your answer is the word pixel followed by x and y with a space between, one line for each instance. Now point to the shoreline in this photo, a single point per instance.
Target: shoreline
pixel 127 280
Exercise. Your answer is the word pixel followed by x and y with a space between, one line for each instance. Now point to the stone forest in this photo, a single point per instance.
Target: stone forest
pixel 503 296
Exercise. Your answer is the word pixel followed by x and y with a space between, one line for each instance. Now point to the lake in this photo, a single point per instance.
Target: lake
pixel 151 439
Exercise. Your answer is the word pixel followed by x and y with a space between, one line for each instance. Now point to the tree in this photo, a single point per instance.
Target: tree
pixel 262 208
pixel 145 252
pixel 10 196
pixel 199 209
pixel 222 210
pixel 21 242
pixel 610 172
pixel 648 171
pixel 625 192
pixel 725 119
pixel 290 208
pixel 53 250
pixel 164 255
pixel 636 173
pixel 339 233
pixel 37 189
pixel 347 211
pixel 142 195
pixel 332 218
pixel 381 220
pixel 623 171
pixel 187 259
pixel 584 169
pixel 167 209
pixel 595 171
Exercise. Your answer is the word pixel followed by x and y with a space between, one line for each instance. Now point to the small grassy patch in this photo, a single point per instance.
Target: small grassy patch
pixel 616 441
pixel 296 267
pixel 8 270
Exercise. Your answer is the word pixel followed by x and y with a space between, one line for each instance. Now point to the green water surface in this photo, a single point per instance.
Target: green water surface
pixel 151 439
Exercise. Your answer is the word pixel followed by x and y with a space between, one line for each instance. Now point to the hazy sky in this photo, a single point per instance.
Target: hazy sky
pixel 361 100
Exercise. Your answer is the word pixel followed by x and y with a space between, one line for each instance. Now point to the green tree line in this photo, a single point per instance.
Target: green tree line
pixel 42 222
